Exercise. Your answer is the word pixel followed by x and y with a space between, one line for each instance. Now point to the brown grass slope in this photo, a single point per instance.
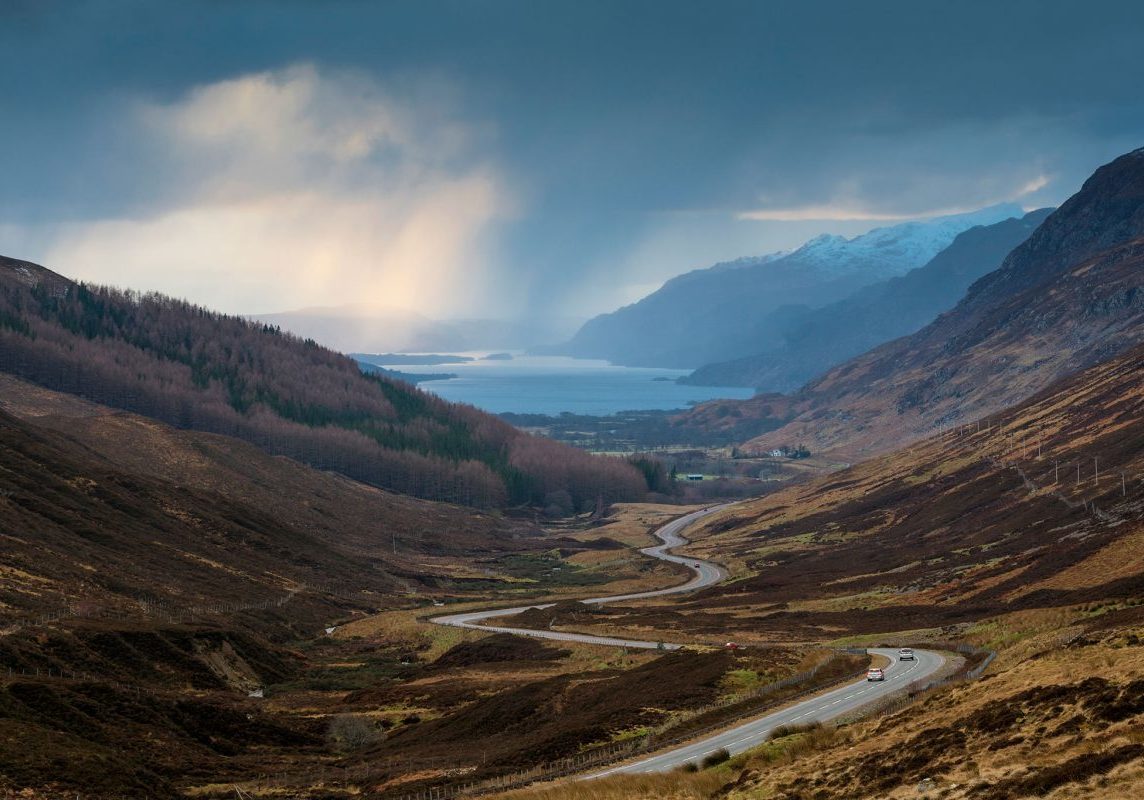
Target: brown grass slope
pixel 112 510
pixel 163 703
pixel 1067 298
pixel 547 719
pixel 188 569
pixel 988 519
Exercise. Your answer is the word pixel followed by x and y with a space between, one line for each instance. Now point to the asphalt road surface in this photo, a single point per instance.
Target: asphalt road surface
pixel 821 708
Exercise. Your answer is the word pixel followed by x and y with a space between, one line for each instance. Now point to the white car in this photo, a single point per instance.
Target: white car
pixel 875 674
pixel 905 654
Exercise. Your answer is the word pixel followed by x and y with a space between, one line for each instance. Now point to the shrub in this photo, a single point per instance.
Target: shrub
pixel 790 730
pixel 716 758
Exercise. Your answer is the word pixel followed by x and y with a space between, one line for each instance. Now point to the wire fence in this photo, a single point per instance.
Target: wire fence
pixel 1013 445
pixel 12 674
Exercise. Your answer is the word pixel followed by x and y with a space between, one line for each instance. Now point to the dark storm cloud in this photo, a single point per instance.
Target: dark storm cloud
pixel 618 124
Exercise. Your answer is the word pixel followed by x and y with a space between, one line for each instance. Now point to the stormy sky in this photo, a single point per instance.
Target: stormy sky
pixel 527 159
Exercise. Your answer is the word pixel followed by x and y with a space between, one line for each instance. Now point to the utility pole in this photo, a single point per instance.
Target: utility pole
pixel 1056 472
pixel 1078 473
pixel 1096 470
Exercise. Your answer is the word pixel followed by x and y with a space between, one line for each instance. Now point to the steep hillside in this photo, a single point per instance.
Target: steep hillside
pixel 740 308
pixel 1039 506
pixel 817 339
pixel 192 368
pixel 110 511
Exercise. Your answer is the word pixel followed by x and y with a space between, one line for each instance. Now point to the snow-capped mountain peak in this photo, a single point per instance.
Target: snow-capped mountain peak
pixel 894 249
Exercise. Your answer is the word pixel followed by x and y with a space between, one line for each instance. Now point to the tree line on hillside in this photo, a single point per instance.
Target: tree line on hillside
pixel 194 368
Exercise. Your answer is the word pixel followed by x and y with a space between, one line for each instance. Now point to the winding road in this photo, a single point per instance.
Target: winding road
pixel 820 708
pixel 706 574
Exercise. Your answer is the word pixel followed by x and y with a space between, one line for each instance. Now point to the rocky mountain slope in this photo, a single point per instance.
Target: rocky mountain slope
pixel 738 309
pixel 193 368
pixel 1068 297
pixel 817 339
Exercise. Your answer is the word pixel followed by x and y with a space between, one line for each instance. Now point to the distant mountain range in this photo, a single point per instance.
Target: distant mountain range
pixel 742 308
pixel 1070 296
pixel 817 339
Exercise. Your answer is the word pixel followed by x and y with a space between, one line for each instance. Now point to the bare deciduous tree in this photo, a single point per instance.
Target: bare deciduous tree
pixel 351 731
